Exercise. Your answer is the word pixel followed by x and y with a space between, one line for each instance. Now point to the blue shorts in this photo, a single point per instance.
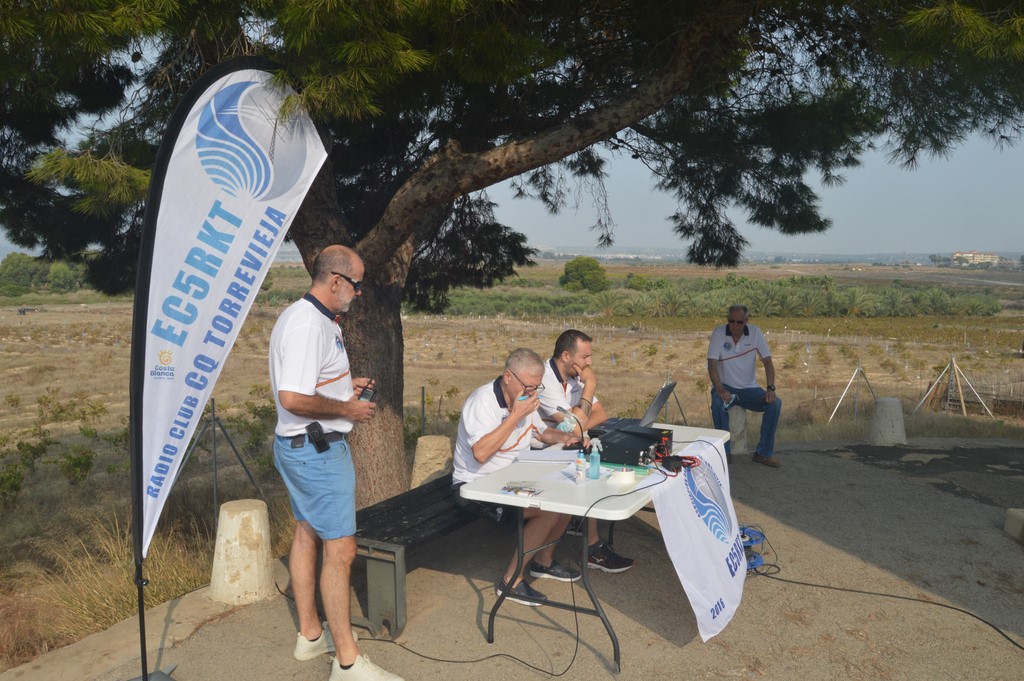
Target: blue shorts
pixel 321 486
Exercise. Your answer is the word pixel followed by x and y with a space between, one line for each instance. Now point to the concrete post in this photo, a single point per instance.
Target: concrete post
pixel 738 430
pixel 433 459
pixel 242 568
pixel 887 423
pixel 1014 525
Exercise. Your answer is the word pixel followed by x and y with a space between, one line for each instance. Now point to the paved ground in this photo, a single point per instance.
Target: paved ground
pixel 922 523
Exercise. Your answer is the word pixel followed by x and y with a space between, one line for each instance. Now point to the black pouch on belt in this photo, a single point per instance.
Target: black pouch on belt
pixel 316 435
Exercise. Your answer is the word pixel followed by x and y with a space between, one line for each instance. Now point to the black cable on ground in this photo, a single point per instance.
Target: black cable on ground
pixel 771 570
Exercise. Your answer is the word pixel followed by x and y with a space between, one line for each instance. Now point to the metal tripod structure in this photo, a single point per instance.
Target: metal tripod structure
pixel 858 370
pixel 956 374
pixel 215 422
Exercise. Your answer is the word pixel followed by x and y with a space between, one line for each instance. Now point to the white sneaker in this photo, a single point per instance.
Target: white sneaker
pixel 308 650
pixel 362 670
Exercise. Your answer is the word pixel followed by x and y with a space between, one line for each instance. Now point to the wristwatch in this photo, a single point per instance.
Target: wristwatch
pixel 771 387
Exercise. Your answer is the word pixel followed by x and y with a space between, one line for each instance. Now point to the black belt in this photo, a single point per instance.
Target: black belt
pixel 300 440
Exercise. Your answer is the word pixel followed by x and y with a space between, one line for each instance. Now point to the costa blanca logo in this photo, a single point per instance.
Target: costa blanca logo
pixel 164 368
pixel 239 131
pixel 728 345
pixel 708 499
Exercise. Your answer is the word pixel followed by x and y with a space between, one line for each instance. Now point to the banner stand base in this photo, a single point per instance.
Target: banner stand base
pixel 164 675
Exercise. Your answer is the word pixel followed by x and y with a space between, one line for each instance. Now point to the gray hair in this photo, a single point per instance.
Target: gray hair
pixel 741 308
pixel 523 359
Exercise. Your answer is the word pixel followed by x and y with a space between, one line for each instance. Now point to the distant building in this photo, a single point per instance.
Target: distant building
pixel 975 258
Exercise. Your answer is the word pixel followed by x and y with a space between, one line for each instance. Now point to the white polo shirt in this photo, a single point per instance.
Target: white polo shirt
pixel 558 392
pixel 308 356
pixel 737 362
pixel 485 409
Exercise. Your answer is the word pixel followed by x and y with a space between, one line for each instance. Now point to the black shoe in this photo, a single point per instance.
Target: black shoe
pixel 602 557
pixel 520 592
pixel 554 571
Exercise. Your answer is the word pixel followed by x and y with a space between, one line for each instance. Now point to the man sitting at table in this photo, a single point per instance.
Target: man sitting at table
pixel 571 387
pixel 498 422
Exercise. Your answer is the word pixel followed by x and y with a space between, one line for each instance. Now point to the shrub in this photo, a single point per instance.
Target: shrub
pixel 22 270
pixel 76 464
pixel 584 273
pixel 11 478
pixel 62 278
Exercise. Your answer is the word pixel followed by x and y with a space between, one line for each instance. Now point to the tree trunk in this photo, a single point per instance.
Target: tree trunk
pixel 373 333
pixel 373 337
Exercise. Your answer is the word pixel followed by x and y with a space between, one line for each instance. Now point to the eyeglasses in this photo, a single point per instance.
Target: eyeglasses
pixel 737 321
pixel 528 389
pixel 357 286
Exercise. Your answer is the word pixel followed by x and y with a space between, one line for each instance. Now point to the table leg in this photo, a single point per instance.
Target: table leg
pixel 584 569
pixel 520 553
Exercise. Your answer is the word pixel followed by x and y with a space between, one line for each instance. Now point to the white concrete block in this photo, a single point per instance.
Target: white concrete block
pixel 433 459
pixel 242 568
pixel 738 430
pixel 1014 525
pixel 887 423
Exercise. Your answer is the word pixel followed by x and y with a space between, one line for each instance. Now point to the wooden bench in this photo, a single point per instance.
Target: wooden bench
pixel 386 530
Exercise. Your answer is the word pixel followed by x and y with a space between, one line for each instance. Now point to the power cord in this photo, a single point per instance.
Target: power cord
pixel 771 570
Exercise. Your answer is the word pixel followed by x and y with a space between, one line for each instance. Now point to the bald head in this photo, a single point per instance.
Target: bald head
pixel 335 258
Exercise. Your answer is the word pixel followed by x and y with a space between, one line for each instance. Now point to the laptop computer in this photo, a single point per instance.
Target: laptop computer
pixel 625 440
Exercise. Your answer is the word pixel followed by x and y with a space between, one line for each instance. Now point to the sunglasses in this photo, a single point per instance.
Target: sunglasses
pixel 357 286
pixel 737 321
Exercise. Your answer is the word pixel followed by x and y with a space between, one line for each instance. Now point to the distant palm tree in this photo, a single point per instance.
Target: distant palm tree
pixel 894 302
pixel 789 303
pixel 766 301
pixel 811 302
pixel 833 303
pixel 608 303
pixel 937 301
pixel 637 306
pixel 858 302
pixel 672 303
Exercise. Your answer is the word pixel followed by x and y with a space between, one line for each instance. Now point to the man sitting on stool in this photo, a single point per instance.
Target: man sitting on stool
pixel 732 352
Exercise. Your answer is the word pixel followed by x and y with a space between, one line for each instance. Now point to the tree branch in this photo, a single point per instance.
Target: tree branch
pixel 451 173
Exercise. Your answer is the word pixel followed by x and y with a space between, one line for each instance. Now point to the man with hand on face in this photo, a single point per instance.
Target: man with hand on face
pixel 317 403
pixel 572 386
pixel 497 424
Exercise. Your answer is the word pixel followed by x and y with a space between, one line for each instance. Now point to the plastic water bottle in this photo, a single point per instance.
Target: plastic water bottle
pixel 594 472
pixel 732 401
pixel 581 468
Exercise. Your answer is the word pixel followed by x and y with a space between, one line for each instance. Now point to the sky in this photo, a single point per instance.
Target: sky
pixel 972 200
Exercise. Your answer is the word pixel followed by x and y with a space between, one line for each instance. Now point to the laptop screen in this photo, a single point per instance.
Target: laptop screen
pixel 657 404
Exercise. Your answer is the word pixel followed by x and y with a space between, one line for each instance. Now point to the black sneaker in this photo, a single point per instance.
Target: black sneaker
pixel 602 557
pixel 554 571
pixel 517 593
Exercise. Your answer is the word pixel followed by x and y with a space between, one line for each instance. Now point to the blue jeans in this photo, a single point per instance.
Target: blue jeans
pixel 751 399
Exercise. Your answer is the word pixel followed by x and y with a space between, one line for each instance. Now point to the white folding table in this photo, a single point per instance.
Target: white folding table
pixel 599 499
